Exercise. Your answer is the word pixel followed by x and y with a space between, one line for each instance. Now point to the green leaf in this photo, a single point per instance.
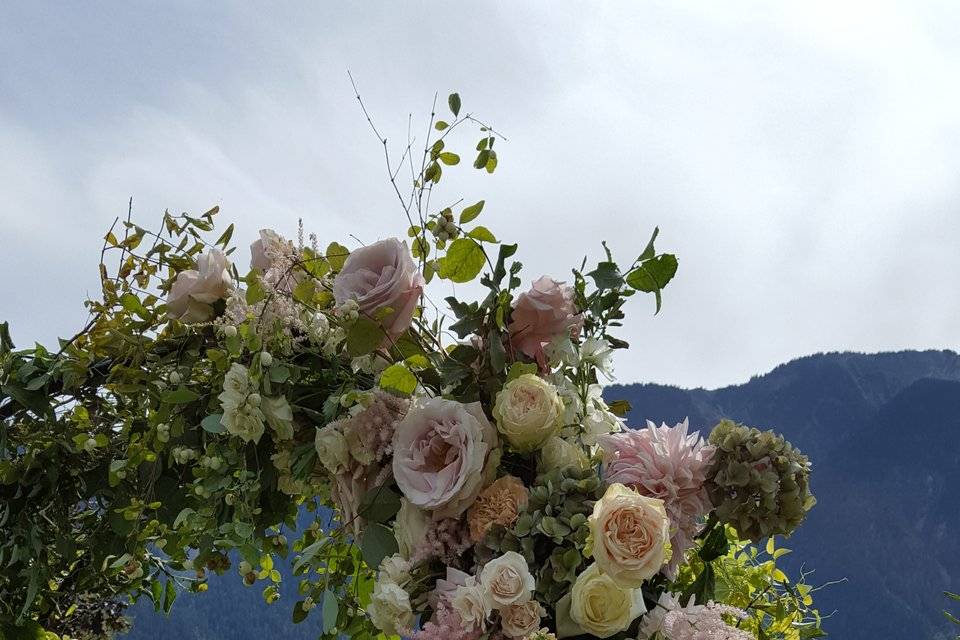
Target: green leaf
pixel 180 396
pixel 448 158
pixel 398 378
pixel 255 291
pixel 453 101
pixel 330 610
pixel 464 260
pixel 433 173
pixel 440 125
pixel 304 291
pixel 156 594
pixel 377 543
pixel 171 592
pixel 518 369
pixel 364 337
pixel 379 504
pixel 482 158
pixel 606 275
pixel 653 274
pixel 471 212
pixel 212 424
pixel 132 304
pixel 649 251
pixel 337 255
pixel 224 238
pixel 482 234
pixel 619 407
pixel 299 613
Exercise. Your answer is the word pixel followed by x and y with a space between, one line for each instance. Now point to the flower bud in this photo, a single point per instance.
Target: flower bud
pixel 265 359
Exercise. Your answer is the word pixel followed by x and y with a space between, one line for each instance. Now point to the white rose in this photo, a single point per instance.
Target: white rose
pixel 558 453
pixel 507 580
pixel 236 387
pixel 395 569
pixel 331 449
pixel 600 606
pixel 520 620
pixel 389 609
pixel 471 603
pixel 410 527
pixel 245 422
pixel 528 411
pixel 630 535
pixel 195 290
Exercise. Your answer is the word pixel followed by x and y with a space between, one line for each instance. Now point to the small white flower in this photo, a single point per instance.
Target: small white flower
pixel 395 569
pixel 471 603
pixel 507 580
pixel 597 352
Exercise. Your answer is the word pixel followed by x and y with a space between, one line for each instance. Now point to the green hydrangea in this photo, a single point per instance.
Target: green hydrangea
pixel 552 532
pixel 759 483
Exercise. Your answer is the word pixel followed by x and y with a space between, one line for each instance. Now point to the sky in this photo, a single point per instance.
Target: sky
pixel 799 158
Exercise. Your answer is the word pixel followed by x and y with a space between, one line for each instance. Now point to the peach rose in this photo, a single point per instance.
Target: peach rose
pixel 630 535
pixel 520 620
pixel 381 276
pixel 195 290
pixel 500 503
pixel 507 580
pixel 542 313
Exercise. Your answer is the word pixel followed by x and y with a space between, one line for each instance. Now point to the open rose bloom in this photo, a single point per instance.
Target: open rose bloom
pixel 382 279
pixel 194 291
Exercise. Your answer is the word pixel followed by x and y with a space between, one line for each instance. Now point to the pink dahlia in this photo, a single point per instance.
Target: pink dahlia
pixel 667 463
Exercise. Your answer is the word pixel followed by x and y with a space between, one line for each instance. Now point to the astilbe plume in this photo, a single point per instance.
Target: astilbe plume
pixel 669 620
pixel 667 463
pixel 446 625
pixel 369 435
pixel 446 540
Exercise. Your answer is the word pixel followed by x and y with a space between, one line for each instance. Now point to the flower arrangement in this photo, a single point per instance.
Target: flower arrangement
pixel 469 480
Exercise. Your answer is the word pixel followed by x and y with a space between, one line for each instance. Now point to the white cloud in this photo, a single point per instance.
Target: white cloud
pixel 800 158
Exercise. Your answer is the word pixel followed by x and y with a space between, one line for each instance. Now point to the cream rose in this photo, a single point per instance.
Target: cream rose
pixel 195 290
pixel 520 620
pixel 629 534
pixel 470 602
pixel 507 580
pixel 444 453
pixel 381 276
pixel 528 412
pixel 390 610
pixel 331 448
pixel 600 606
pixel 558 453
pixel 410 527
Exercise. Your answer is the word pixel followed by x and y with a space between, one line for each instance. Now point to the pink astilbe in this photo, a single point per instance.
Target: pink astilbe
pixel 667 463
pixel 446 625
pixel 703 623
pixel 444 539
pixel 369 435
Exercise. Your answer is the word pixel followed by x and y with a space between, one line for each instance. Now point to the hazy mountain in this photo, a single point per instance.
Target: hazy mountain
pixel 883 431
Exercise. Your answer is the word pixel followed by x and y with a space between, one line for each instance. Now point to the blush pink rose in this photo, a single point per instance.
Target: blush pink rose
pixel 542 313
pixel 194 291
pixel 381 276
pixel 444 453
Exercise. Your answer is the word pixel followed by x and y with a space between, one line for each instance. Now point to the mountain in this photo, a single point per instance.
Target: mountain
pixel 883 432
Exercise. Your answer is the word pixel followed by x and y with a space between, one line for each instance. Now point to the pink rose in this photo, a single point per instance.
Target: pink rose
pixel 542 313
pixel 195 290
pixel 381 276
pixel 444 453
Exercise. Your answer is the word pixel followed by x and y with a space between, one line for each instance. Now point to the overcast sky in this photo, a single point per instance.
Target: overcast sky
pixel 801 159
